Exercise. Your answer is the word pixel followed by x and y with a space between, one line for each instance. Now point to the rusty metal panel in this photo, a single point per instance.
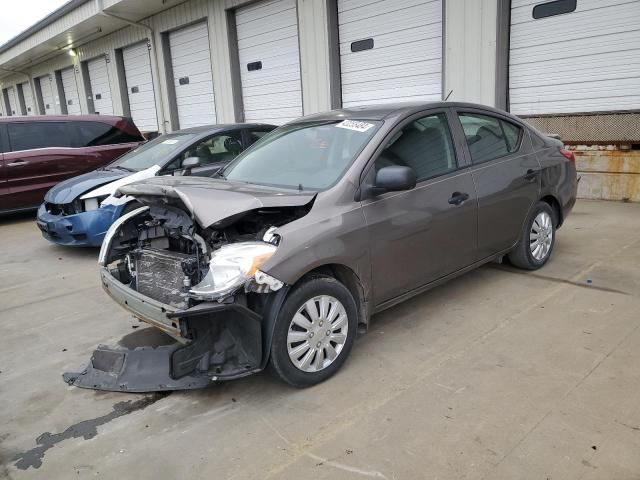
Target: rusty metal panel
pixel 609 174
pixel 596 129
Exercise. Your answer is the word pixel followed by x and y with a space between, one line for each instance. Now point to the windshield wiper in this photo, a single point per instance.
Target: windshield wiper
pixel 219 174
pixel 120 167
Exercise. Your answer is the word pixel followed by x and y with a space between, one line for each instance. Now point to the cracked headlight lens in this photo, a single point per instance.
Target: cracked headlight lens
pixel 231 266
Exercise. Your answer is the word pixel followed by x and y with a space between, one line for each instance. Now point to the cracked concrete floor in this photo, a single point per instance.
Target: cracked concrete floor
pixel 499 374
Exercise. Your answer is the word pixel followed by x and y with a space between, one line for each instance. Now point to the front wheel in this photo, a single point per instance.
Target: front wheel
pixel 537 239
pixel 314 332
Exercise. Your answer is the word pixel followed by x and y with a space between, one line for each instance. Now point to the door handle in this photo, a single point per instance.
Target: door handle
pixel 531 175
pixel 17 163
pixel 458 198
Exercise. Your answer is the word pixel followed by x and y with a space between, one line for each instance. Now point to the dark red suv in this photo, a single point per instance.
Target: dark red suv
pixel 38 152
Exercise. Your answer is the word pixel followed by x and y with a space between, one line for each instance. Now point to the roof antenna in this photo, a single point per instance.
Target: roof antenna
pixel 450 92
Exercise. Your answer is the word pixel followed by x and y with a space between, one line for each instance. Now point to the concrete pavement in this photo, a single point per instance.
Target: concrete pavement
pixel 499 374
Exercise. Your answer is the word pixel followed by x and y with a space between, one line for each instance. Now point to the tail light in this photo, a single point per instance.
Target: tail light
pixel 568 154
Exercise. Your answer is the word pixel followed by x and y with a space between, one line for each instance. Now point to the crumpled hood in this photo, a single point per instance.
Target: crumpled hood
pixel 211 200
pixel 68 190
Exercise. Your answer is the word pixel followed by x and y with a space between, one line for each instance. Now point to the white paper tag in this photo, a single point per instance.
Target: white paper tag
pixel 355 125
pixel 170 142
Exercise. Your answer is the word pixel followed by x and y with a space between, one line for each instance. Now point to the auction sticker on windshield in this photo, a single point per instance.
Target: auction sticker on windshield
pixel 170 142
pixel 355 125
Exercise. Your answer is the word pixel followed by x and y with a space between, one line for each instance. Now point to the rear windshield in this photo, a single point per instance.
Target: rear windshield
pixel 304 156
pixel 158 151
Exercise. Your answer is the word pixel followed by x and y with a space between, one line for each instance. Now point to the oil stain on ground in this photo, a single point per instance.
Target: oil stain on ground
pixel 86 429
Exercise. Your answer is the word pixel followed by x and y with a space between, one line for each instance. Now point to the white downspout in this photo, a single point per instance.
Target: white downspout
pixel 154 57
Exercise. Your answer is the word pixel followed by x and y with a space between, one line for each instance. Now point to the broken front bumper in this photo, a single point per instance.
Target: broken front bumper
pixel 212 342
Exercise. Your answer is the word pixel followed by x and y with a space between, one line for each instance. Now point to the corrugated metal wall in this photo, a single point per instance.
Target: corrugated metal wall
pixel 470 48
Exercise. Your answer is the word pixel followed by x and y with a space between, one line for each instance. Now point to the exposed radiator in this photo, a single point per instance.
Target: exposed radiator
pixel 161 275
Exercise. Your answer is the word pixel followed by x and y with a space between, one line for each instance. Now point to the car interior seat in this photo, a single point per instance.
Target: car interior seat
pixel 424 151
pixel 487 144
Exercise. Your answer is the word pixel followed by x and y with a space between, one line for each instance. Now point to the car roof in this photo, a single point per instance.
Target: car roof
pixel 110 119
pixel 221 127
pixel 388 110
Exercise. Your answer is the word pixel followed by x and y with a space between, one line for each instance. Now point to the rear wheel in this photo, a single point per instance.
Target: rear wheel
pixel 314 332
pixel 537 239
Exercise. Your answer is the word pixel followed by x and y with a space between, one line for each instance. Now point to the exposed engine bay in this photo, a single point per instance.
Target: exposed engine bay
pixel 202 286
pixel 164 255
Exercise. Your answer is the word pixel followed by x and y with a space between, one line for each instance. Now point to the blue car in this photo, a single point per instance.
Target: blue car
pixel 79 211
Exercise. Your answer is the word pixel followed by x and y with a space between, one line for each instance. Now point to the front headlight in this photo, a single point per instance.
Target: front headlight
pixel 231 266
pixel 93 203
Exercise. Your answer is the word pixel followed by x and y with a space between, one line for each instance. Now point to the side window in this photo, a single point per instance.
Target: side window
pixel 217 149
pixel 255 135
pixel 30 135
pixel 424 145
pixel 489 137
pixel 93 134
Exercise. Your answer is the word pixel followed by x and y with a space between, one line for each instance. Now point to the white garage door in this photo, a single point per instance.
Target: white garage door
pixel 70 88
pixel 28 99
pixel 14 106
pixel 586 60
pixel 48 99
pixel 192 77
pixel 390 50
pixel 100 89
pixel 269 61
pixel 142 100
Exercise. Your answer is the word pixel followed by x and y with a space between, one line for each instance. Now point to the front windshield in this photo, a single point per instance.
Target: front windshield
pixel 156 152
pixel 311 155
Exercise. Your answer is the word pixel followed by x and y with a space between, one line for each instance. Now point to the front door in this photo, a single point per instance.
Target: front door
pixel 423 234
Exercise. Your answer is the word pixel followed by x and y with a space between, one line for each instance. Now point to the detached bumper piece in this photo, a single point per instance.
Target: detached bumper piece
pixel 145 369
pixel 227 345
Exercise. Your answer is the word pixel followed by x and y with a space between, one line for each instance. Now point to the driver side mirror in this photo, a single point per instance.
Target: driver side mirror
pixel 393 179
pixel 188 164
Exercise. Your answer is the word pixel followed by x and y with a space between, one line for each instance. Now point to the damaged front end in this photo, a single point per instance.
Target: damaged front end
pixel 201 285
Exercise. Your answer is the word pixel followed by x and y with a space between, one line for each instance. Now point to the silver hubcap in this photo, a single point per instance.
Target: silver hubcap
pixel 317 333
pixel 541 236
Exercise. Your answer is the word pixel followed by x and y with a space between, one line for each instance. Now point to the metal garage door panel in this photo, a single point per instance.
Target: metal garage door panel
pixel 192 75
pixel 268 33
pixel 28 99
pixel 100 88
pixel 48 99
pixel 70 88
pixel 13 101
pixel 583 61
pixel 405 63
pixel 142 101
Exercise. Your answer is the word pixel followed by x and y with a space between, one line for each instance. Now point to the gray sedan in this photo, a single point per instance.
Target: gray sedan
pixel 284 256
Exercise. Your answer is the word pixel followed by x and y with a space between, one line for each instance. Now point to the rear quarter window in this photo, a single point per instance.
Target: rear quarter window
pixel 94 134
pixel 31 135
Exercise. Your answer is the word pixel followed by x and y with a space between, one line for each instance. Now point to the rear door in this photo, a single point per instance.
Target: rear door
pixel 420 235
pixel 506 173
pixel 40 156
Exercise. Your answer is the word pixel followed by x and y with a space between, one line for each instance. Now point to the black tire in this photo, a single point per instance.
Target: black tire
pixel 522 256
pixel 280 364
